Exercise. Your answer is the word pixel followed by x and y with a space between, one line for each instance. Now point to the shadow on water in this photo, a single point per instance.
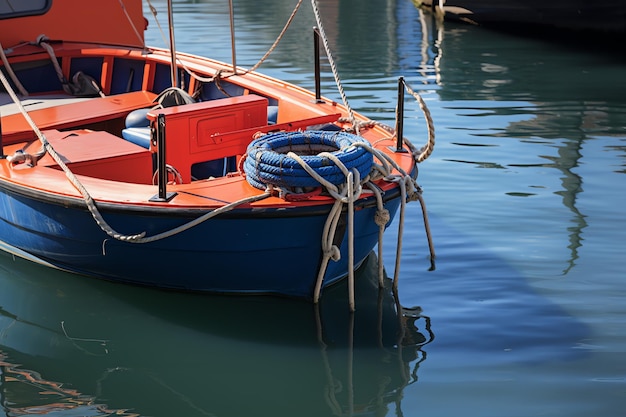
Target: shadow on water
pixel 82 343
pixel 486 311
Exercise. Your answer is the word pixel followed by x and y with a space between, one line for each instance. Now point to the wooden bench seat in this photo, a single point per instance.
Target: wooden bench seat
pixel 96 154
pixel 66 116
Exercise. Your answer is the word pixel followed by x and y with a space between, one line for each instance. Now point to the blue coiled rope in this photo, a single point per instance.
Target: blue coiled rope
pixel 267 162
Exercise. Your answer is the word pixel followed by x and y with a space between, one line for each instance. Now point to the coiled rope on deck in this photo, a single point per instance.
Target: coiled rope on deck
pixel 305 159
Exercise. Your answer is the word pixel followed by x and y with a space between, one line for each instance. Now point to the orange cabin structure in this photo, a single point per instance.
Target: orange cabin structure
pixel 104 22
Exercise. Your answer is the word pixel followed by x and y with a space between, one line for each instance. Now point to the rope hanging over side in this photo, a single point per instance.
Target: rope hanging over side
pixel 297 160
pixel 68 173
pixel 89 201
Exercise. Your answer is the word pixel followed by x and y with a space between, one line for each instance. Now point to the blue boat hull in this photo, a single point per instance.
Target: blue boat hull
pixel 275 251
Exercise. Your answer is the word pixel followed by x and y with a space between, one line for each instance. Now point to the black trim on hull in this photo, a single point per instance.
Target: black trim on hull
pixel 76 203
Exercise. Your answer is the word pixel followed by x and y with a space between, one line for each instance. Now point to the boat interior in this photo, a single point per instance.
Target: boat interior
pixel 108 131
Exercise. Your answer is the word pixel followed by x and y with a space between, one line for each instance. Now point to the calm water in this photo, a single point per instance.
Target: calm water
pixel 524 314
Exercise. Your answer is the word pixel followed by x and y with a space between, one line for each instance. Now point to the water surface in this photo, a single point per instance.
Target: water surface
pixel 523 314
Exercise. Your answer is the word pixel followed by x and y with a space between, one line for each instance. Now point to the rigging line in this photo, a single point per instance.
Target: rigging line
pixel 68 173
pixel 333 67
pixel 132 25
pixel 253 68
pixel 278 39
pixel 153 10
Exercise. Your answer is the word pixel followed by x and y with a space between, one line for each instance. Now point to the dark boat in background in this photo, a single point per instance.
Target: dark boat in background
pixel 597 18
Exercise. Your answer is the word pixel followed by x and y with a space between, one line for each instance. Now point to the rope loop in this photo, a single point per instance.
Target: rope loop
pixel 424 152
pixel 21 157
pixel 305 159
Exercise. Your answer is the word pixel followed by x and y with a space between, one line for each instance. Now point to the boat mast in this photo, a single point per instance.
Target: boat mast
pixel 232 35
pixel 170 16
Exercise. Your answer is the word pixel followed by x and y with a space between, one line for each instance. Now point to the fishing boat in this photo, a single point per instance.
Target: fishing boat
pixel 155 167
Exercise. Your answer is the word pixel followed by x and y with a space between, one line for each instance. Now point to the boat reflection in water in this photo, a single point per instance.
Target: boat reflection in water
pixel 140 351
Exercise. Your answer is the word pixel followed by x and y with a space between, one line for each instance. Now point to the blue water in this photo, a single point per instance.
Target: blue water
pixel 525 194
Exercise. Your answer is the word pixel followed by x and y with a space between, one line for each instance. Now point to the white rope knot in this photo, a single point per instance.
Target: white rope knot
pixel 333 253
pixel 413 194
pixel 21 157
pixel 413 190
pixel 382 217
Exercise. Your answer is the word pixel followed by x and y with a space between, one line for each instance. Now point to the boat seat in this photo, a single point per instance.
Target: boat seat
pixel 137 135
pixel 218 132
pixel 15 128
pixel 97 154
pixel 138 118
pixel 137 125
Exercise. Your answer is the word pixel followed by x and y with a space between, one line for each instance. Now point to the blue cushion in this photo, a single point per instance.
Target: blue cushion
pixel 137 118
pixel 137 135
pixel 272 115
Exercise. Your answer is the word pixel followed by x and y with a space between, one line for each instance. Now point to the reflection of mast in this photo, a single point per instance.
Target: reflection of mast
pixel 432 36
pixel 572 185
pixel 567 159
pixel 568 156
pixel 493 70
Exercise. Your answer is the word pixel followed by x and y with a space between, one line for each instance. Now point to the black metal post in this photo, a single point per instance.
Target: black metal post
pixel 400 116
pixel 161 165
pixel 2 156
pixel 318 82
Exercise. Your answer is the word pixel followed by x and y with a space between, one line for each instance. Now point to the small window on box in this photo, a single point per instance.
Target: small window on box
pixel 16 8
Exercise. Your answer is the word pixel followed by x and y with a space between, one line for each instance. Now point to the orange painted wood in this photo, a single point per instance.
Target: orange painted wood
pixel 97 154
pixel 104 21
pixel 66 116
pixel 193 132
pixel 218 129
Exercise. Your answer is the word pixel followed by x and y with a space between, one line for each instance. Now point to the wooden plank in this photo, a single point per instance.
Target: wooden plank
pixel 97 154
pixel 66 116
